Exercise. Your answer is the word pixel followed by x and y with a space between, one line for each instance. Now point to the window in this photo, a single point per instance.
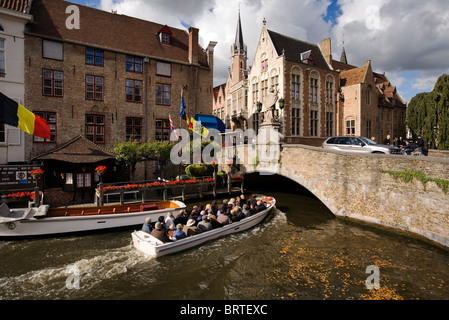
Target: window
pixel 313 123
pixel 94 88
pixel 2 133
pixel 165 38
pixel 329 91
pixel 95 128
pixel 134 64
pixel 52 50
pixel 256 121
pixel 295 86
pixel 50 117
pixel 163 94
pixel 368 129
pixel 264 89
pixel 162 130
pixel 163 69
pixel 53 83
pixel 275 83
pixel 350 127
pixel 94 57
pixel 134 129
pixel 329 124
pixel 133 90
pixel 2 58
pixel 296 121
pixel 255 93
pixel 313 91
pixel 83 180
pixel 264 65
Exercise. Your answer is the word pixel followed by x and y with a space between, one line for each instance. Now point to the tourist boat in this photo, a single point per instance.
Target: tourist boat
pixel 44 221
pixel 153 247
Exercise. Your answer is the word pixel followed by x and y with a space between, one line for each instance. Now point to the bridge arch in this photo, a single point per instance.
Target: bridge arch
pixel 365 188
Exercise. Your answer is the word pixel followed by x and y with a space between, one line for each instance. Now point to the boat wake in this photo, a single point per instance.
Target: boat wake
pixel 72 281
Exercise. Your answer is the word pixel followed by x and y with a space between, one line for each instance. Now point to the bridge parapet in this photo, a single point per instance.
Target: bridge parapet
pixel 368 188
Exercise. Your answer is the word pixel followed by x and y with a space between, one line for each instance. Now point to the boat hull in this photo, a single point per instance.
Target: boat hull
pixel 153 248
pixel 64 225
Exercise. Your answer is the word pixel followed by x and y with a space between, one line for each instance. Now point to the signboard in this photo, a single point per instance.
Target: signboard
pixel 16 177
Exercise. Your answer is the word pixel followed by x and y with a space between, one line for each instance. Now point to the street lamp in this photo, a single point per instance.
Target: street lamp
pixel 281 104
pixel 259 107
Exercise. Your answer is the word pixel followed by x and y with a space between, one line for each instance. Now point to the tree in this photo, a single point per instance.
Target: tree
pixel 129 153
pixel 158 151
pixel 428 115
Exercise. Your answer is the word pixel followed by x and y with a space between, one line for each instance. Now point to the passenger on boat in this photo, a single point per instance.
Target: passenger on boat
pixel 260 206
pixel 242 200
pixel 179 234
pixel 200 217
pixel 224 219
pixel 170 221
pixel 224 206
pixel 182 217
pixel 215 224
pixel 147 227
pixel 161 219
pixel 205 224
pixel 245 210
pixel 214 207
pixel 234 215
pixel 252 200
pixel 160 232
pixel 190 228
pixel 252 208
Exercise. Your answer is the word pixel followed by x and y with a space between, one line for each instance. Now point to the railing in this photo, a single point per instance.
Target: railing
pixel 193 186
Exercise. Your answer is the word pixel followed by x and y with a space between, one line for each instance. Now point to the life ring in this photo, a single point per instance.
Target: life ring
pixel 11 225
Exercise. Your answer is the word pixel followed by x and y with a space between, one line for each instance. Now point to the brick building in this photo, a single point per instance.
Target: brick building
pixel 372 106
pixel 113 78
pixel 300 75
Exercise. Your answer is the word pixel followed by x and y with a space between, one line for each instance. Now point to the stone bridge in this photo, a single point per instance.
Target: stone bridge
pixel 408 194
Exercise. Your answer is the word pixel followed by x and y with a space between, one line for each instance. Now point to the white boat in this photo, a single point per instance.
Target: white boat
pixel 153 247
pixel 43 220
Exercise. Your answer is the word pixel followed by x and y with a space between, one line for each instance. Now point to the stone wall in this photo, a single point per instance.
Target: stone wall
pixel 354 187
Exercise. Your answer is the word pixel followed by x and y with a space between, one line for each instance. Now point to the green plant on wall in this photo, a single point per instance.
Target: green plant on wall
pixel 409 175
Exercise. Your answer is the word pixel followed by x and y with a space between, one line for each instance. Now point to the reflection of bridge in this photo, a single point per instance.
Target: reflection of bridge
pixel 359 187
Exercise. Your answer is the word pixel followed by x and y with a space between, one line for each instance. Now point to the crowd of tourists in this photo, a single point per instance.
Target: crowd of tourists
pixel 201 219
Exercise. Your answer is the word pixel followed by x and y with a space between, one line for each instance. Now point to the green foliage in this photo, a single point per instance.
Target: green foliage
pixel 200 170
pixel 428 115
pixel 409 175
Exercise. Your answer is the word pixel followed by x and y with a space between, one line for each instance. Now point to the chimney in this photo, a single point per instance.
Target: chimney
pixel 326 50
pixel 193 45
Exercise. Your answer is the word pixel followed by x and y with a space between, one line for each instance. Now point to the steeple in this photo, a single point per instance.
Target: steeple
pixel 239 47
pixel 343 58
pixel 239 56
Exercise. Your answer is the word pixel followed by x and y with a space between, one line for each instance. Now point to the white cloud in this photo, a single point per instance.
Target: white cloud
pixel 407 39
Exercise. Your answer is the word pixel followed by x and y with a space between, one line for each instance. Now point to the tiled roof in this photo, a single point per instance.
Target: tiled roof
pixel 353 76
pixel 78 150
pixel 294 47
pixel 338 65
pixel 16 5
pixel 110 31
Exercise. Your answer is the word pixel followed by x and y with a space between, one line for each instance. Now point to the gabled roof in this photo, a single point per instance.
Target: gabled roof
pixel 353 76
pixel 110 31
pixel 293 48
pixel 78 150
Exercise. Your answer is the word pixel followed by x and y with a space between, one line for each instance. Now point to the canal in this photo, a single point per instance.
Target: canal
pixel 301 251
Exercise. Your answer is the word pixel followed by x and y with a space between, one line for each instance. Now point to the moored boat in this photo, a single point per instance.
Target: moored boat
pixel 43 220
pixel 153 247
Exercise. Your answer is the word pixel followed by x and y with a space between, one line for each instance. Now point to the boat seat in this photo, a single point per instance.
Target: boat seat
pixel 148 207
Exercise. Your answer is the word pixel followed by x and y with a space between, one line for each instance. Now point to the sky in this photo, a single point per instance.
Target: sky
pixel 406 39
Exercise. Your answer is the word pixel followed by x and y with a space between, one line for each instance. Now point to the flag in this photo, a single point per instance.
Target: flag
pixel 16 115
pixel 189 123
pixel 182 111
pixel 172 127
pixel 198 128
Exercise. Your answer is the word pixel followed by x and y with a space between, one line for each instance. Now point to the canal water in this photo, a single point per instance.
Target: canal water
pixel 301 251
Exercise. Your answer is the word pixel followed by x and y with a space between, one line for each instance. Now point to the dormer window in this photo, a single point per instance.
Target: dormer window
pixel 165 35
pixel 307 57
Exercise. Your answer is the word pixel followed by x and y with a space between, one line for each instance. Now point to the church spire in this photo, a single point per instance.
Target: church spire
pixel 343 58
pixel 239 45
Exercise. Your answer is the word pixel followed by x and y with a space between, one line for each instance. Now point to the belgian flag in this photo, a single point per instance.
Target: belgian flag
pixel 16 115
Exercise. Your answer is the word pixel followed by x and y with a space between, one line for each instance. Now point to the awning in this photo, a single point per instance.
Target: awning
pixel 211 122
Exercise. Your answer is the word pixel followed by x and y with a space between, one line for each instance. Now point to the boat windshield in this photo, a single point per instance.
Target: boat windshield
pixel 368 141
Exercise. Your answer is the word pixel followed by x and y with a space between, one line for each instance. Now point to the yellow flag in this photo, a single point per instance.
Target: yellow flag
pixel 198 128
